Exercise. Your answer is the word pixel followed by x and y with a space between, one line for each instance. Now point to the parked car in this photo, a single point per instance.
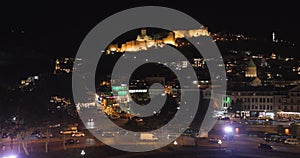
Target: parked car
pixel 292 141
pixel 36 134
pixel 4 135
pixel 224 118
pixel 107 134
pixel 265 146
pixel 68 131
pixel 213 140
pixel 46 135
pixel 78 134
pixel 139 120
pixel 148 137
pixel 123 132
pixel 172 136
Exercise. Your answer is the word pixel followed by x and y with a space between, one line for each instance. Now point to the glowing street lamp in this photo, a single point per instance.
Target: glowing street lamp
pixel 219 141
pixel 228 129
pixel 82 152
pixel 10 156
pixel 175 142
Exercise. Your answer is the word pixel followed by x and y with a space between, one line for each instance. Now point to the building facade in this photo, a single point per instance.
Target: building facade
pixel 279 103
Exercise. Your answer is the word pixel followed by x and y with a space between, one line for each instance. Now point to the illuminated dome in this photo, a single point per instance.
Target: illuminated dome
pixel 251 69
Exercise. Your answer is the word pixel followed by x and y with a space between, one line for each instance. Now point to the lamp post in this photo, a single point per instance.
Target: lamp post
pixel 175 143
pixel 229 132
pixel 228 129
pixel 220 143
pixel 64 142
pixel 82 153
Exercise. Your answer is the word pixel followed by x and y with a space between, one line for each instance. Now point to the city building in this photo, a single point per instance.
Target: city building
pixel 64 65
pixel 254 102
pixel 251 70
pixel 272 102
pixel 287 105
pixel 29 83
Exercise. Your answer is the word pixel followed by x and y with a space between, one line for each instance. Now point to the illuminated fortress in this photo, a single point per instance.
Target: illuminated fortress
pixel 203 31
pixel 144 41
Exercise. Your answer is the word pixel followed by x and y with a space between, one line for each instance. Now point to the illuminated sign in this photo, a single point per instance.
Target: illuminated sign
pixel 227 100
pixel 118 88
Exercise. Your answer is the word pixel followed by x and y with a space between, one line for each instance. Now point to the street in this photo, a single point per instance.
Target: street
pixel 241 146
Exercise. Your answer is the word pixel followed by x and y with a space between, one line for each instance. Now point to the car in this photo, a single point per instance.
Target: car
pixel 139 120
pixel 224 118
pixel 172 136
pixel 265 146
pixel 78 134
pixel 36 134
pixel 54 125
pixel 188 132
pixel 72 141
pixel 12 135
pixel 5 135
pixel 107 134
pixel 123 132
pixel 213 140
pixel 46 135
pixel 292 141
pixel 148 137
pixel 114 117
pixel 68 131
pixel 99 131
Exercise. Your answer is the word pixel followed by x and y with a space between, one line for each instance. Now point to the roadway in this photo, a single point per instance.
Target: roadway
pixel 242 146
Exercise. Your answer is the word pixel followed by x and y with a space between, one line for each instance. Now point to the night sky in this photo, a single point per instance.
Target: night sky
pixel 57 28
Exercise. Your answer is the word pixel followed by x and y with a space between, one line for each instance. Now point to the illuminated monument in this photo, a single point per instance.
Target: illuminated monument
pixel 144 41
pixel 203 31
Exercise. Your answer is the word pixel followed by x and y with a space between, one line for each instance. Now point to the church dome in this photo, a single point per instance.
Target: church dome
pixel 251 63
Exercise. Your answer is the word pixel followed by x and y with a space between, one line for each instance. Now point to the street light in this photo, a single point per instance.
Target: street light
pixel 10 156
pixel 228 129
pixel 82 153
pixel 175 142
pixel 229 133
pixel 220 143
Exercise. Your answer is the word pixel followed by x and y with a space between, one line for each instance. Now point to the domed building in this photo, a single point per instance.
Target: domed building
pixel 251 70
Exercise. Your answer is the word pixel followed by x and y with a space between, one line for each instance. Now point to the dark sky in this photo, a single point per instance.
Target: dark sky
pixel 59 28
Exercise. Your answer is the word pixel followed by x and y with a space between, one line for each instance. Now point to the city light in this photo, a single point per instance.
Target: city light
pixel 82 153
pixel 220 142
pixel 10 156
pixel 227 87
pixel 228 129
pixel 175 142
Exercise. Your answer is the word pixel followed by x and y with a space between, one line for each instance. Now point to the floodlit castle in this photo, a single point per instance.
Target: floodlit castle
pixel 144 41
pixel 203 31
